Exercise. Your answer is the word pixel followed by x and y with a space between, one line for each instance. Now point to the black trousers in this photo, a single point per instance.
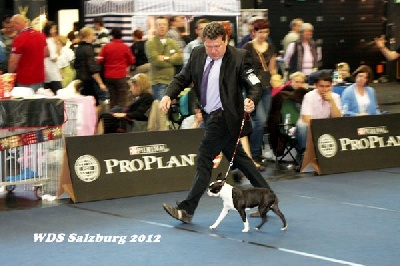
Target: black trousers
pixel 217 138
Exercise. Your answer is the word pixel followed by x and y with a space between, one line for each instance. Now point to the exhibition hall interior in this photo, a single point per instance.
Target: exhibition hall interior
pixel 130 128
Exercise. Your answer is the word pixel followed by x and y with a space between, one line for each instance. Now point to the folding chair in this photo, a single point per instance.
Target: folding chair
pixel 287 139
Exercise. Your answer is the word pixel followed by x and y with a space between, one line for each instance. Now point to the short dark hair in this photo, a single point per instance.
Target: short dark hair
pixel 98 20
pixel 200 21
pixel 47 27
pixel 364 69
pixel 116 33
pixel 324 76
pixel 214 30
pixel 6 18
pixel 260 24
pixel 138 34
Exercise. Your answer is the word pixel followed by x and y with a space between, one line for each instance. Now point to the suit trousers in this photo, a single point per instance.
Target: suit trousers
pixel 217 138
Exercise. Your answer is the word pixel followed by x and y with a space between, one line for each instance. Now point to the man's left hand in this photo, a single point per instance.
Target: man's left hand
pixel 248 105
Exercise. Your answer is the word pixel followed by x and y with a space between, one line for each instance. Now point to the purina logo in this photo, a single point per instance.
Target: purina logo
pixel 87 168
pixel 148 149
pixel 327 146
pixel 372 130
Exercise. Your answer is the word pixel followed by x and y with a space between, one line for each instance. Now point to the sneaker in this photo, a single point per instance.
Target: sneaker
pixel 178 214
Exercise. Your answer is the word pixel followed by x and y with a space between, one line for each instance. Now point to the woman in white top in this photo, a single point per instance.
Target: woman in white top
pixel 359 98
pixel 65 60
pixel 52 71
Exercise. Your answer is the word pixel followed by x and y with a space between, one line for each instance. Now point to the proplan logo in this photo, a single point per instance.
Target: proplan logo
pixel 87 168
pixel 327 145
pixel 148 149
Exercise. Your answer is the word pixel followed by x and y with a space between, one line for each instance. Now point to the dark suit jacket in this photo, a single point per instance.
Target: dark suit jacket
pixel 236 74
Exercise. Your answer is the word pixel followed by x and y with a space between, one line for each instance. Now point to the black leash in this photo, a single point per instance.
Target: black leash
pixel 245 118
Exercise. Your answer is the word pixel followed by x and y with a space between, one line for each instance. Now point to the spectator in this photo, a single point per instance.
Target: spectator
pixel 52 71
pixel 200 24
pixel 29 49
pixel 294 33
pixel 343 70
pixel 163 54
pixel 359 98
pixel 247 38
pixel 142 63
pixel 102 38
pixel 116 57
pixel 65 61
pixel 390 55
pixel 318 103
pixel 264 63
pixel 228 71
pixel 175 24
pixel 302 55
pixel 86 68
pixel 297 81
pixel 122 119
pixel 102 35
pixel 73 35
pixel 7 35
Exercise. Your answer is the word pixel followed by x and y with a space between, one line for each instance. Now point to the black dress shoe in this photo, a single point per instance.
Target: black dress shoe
pixel 178 214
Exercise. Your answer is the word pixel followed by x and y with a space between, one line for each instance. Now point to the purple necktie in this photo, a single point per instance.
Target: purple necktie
pixel 204 84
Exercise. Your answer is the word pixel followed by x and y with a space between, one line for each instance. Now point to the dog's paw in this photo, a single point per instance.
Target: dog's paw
pixel 212 227
pixel 284 228
pixel 257 228
pixel 246 230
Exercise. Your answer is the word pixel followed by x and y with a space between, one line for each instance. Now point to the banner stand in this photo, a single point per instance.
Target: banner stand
pixel 65 184
pixel 310 162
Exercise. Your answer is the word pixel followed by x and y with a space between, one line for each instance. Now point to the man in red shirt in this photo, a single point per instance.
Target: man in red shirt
pixel 116 58
pixel 29 49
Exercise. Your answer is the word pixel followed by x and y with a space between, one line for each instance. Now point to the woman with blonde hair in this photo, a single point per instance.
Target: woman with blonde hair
pixel 119 119
pixel 85 65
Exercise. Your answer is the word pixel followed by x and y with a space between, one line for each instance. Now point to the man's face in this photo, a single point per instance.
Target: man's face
pixel 297 26
pixel 96 26
pixel 323 87
pixel 199 30
pixel 307 34
pixel 179 22
pixel 215 48
pixel 161 27
pixel 8 26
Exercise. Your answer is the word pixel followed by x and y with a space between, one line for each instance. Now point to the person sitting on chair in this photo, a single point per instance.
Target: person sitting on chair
pixel 318 103
pixel 359 98
pixel 120 120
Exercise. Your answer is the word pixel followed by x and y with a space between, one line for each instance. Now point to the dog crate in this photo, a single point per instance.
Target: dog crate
pixel 31 159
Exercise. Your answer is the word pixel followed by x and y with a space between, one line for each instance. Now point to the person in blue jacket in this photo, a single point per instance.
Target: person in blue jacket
pixel 2 51
pixel 359 98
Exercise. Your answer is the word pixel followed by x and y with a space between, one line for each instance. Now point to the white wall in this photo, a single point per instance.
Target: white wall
pixel 66 19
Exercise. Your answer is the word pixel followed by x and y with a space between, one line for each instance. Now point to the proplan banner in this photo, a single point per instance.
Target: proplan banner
pixel 349 144
pixel 122 165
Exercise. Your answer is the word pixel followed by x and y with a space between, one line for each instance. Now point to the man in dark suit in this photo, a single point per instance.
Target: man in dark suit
pixel 223 108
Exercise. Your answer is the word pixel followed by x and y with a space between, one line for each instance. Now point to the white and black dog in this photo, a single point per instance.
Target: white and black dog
pixel 241 199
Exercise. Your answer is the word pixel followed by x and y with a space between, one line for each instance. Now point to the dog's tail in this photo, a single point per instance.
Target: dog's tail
pixel 277 211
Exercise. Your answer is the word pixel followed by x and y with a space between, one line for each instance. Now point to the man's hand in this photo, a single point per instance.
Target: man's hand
pixel 248 105
pixel 327 96
pixel 380 42
pixel 103 87
pixel 165 103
